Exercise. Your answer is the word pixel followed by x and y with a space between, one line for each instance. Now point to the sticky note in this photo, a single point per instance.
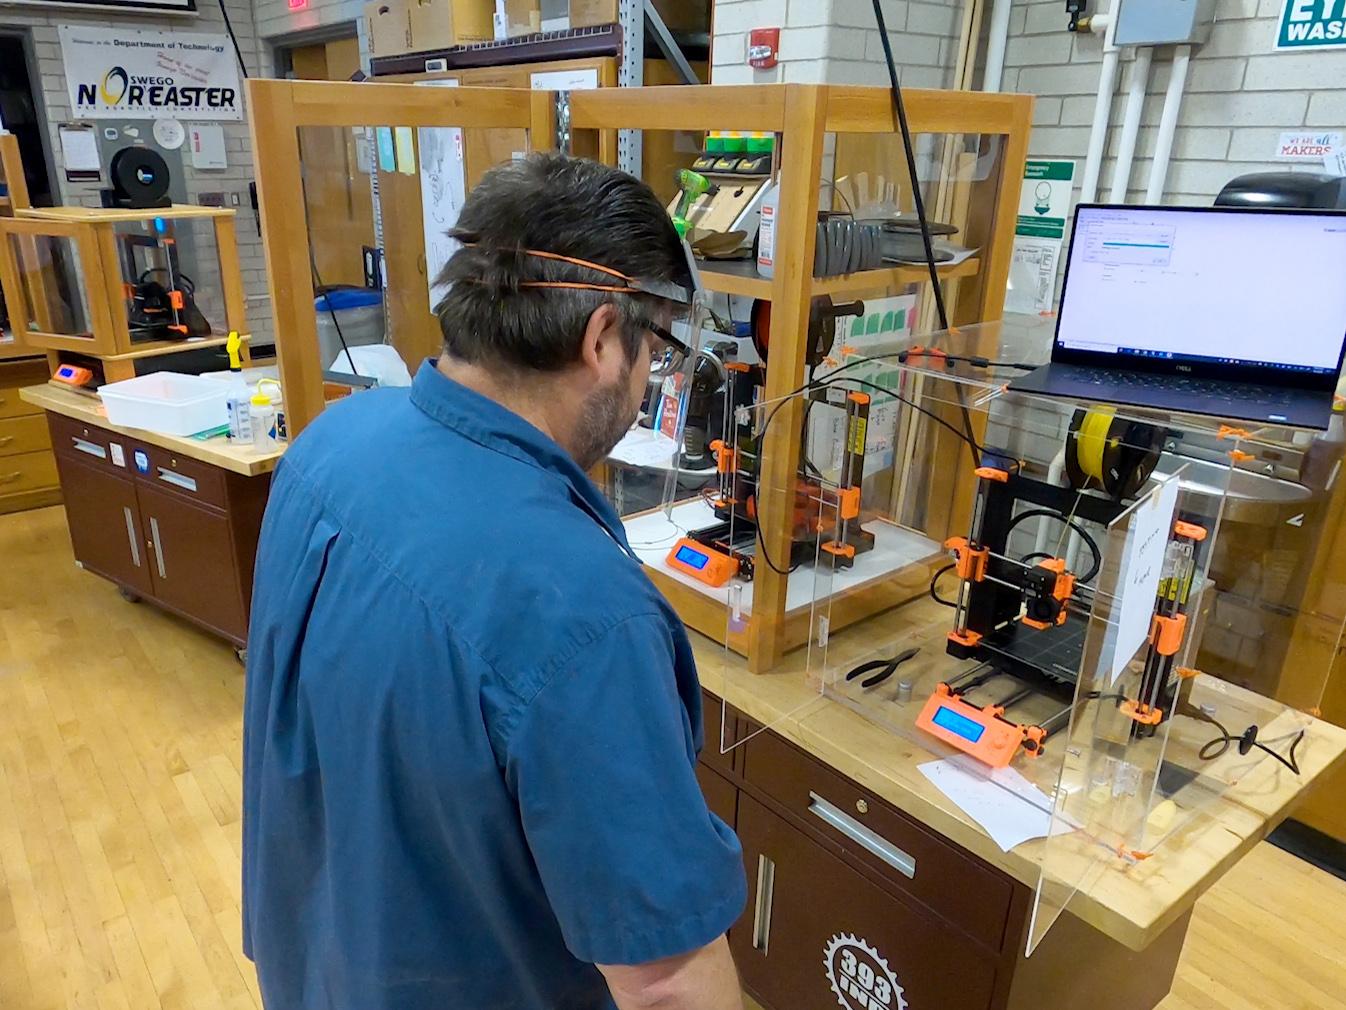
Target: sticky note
pixel 406 150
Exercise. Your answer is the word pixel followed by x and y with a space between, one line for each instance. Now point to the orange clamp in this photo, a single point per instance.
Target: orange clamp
pixel 839 549
pixel 992 473
pixel 1189 531
pixel 180 329
pixel 176 300
pixel 1229 431
pixel 969 637
pixel 848 502
pixel 1142 713
pixel 1166 633
pixel 1186 672
pixel 1239 456
pixel 737 366
pixel 970 563
pixel 860 398
pixel 724 456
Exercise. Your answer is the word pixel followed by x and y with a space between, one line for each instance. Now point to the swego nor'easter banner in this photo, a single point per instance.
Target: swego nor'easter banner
pixel 129 73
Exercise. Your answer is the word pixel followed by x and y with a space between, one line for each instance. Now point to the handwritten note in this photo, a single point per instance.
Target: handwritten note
pixel 1142 565
pixel 1008 807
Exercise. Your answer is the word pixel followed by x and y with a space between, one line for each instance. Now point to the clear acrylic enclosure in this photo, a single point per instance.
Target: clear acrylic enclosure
pixel 1106 616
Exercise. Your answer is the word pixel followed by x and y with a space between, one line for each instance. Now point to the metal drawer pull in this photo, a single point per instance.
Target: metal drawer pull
pixel 158 550
pixel 90 448
pixel 6 440
pixel 900 861
pixel 761 913
pixel 10 478
pixel 131 535
pixel 177 480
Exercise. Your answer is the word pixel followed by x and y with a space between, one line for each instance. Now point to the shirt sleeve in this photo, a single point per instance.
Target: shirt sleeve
pixel 635 867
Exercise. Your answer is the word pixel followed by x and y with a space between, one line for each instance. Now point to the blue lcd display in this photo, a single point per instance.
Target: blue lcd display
pixel 960 725
pixel 692 558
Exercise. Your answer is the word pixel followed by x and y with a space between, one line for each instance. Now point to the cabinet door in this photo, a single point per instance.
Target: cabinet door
pixel 105 531
pixel 191 561
pixel 819 933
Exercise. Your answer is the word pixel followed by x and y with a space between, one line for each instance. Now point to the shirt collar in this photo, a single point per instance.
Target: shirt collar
pixel 499 429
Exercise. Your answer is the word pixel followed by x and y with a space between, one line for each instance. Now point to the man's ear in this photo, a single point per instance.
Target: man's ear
pixel 603 349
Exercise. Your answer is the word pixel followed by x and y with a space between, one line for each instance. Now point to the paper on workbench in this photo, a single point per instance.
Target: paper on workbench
pixel 1008 807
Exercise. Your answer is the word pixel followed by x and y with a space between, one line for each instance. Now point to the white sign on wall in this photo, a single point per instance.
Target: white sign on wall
pixel 130 73
pixel 1301 145
pixel 443 190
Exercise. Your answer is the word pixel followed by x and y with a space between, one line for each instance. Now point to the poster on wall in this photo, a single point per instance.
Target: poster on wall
pixel 130 73
pixel 1311 146
pixel 443 190
pixel 1311 24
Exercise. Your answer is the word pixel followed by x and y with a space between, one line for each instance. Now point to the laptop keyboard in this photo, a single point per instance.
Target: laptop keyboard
pixel 1232 392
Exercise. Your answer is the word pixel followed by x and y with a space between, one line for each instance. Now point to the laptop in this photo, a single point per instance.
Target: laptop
pixel 1233 312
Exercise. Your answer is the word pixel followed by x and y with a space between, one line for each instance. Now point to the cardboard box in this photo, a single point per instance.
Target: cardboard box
pixel 441 24
pixel 586 13
pixel 524 16
pixel 388 26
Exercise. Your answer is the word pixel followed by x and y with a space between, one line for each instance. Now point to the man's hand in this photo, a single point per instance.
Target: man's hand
pixel 705 979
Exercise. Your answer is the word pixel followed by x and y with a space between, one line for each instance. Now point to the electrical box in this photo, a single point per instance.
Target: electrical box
pixel 1164 22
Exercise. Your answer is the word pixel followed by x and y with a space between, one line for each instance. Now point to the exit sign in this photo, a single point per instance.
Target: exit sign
pixel 1312 24
pixel 297 5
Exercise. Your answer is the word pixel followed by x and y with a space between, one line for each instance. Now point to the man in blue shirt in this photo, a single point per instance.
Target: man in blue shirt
pixel 471 721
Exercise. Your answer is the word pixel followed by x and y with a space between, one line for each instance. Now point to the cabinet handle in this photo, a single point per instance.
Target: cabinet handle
pixel 88 448
pixel 10 478
pixel 903 862
pixel 131 537
pixel 6 440
pixel 177 480
pixel 761 913
pixel 158 548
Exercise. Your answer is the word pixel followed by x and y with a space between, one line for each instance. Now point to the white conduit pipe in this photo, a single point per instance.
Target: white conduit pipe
pixel 1135 106
pixel 1107 87
pixel 996 42
pixel 1168 124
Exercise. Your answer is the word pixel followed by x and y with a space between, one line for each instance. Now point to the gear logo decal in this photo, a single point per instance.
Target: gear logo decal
pixel 861 979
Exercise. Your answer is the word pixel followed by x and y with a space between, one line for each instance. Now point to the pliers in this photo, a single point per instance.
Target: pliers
pixel 886 668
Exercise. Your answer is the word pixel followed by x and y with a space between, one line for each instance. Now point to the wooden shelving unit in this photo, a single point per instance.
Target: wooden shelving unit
pixel 983 204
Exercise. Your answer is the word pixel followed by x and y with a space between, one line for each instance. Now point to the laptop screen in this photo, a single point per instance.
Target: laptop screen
pixel 1224 289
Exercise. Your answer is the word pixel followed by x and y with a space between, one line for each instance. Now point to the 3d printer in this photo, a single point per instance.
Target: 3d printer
pixel 1026 618
pixel 730 548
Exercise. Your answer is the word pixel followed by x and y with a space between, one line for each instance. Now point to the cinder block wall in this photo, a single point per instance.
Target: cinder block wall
pixel 1241 95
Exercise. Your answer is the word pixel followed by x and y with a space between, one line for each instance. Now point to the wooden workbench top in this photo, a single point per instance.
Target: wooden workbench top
pixel 1132 902
pixel 217 451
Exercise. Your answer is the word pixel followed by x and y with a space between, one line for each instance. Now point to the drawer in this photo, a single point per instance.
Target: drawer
pixel 712 713
pixel 171 471
pixel 815 926
pixel 12 406
pixel 916 861
pixel 85 442
pixel 31 471
pixel 23 434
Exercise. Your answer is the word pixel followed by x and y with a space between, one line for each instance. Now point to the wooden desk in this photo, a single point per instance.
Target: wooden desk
pixel 170 520
pixel 1115 949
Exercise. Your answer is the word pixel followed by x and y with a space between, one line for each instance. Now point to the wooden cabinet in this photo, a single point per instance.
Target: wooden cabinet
pixel 815 921
pixel 27 469
pixel 105 528
pixel 852 902
pixel 172 530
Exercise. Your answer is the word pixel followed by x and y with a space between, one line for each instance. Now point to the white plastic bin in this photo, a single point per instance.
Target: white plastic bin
pixel 167 402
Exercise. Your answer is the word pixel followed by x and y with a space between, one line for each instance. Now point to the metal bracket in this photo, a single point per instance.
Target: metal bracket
pixel 564 137
pixel 631 74
pixel 663 38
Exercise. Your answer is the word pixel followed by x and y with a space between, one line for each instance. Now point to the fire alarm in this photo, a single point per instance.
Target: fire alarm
pixel 763 46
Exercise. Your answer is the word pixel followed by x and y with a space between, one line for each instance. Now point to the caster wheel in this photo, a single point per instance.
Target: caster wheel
pixel 242 656
pixel 127 595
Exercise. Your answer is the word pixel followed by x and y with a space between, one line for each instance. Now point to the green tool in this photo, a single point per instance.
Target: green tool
pixel 693 185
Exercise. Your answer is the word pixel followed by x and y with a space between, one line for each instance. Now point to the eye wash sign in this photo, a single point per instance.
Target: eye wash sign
pixel 1312 24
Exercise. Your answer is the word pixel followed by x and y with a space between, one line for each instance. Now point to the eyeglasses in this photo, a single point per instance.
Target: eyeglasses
pixel 669 355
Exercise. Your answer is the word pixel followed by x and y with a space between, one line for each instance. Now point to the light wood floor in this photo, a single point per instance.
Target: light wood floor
pixel 119 820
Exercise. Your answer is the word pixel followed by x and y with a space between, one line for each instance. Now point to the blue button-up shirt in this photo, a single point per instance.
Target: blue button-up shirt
pixel 470 728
